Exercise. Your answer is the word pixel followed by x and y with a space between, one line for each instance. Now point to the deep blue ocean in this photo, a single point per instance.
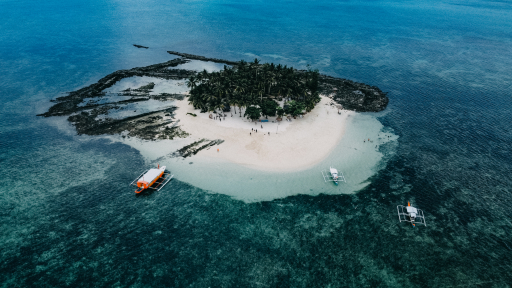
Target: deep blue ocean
pixel 68 218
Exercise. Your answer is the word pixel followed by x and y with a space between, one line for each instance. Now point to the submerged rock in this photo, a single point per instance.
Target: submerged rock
pixel 195 147
pixel 90 117
pixel 140 46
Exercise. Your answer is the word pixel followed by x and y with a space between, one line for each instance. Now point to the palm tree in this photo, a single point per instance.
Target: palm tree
pixel 192 82
pixel 245 85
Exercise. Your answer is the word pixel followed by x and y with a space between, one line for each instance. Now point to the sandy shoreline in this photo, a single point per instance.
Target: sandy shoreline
pixel 357 159
pixel 290 146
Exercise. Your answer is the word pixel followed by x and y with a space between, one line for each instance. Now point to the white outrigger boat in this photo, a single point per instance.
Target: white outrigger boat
pixel 411 214
pixel 148 178
pixel 333 176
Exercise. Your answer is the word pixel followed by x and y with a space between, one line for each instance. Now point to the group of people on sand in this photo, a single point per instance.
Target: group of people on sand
pixel 364 141
pixel 256 130
pixel 220 117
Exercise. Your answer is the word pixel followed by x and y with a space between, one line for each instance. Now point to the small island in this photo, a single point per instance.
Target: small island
pixel 255 87
pixel 283 112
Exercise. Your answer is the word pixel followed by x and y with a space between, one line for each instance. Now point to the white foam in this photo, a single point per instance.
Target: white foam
pixel 161 85
pixel 201 65
pixel 137 108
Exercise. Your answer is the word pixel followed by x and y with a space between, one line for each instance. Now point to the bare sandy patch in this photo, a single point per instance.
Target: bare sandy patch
pixel 276 146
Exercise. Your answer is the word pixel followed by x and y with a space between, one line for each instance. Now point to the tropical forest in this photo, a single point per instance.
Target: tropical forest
pixel 257 88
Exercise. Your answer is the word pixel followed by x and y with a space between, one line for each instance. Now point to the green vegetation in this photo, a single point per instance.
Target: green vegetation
pixel 295 108
pixel 269 107
pixel 193 114
pixel 255 86
pixel 252 112
pixel 280 112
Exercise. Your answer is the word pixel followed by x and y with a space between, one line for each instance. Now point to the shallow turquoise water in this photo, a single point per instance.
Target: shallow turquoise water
pixel 68 218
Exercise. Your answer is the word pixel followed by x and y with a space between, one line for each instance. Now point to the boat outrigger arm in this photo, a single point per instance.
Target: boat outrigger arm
pixel 411 214
pixel 154 179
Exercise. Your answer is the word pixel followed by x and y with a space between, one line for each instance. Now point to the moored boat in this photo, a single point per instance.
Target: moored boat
pixel 411 214
pixel 152 176
pixel 333 176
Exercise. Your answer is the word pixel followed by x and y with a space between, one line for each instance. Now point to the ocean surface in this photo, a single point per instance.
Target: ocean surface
pixel 69 219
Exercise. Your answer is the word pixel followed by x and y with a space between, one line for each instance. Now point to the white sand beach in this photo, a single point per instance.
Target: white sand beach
pixel 278 146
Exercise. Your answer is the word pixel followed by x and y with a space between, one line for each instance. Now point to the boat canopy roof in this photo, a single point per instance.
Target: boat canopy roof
pixel 151 175
pixel 411 209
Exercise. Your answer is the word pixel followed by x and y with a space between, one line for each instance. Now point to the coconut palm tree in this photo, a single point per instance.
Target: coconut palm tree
pixel 192 82
pixel 246 84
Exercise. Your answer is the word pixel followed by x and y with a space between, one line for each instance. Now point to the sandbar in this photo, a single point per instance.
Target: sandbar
pixel 276 146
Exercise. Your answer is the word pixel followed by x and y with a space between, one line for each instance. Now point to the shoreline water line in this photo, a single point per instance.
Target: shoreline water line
pixel 350 154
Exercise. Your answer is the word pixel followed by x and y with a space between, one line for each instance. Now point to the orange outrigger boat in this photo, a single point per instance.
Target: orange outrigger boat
pixel 150 177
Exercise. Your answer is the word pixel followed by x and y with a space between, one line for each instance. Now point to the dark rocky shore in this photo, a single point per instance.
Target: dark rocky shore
pixel 140 46
pixel 91 118
pixel 195 147
pixel 202 58
pixel 352 95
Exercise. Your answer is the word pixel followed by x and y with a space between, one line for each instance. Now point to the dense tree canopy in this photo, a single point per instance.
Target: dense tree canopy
pixel 254 84
pixel 294 108
pixel 269 107
pixel 252 112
